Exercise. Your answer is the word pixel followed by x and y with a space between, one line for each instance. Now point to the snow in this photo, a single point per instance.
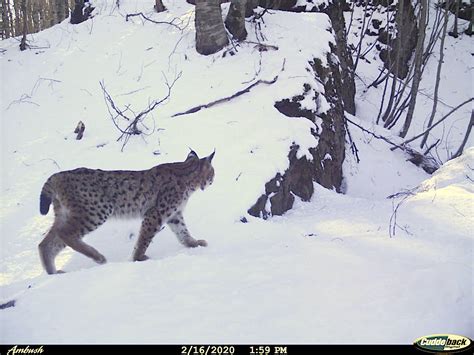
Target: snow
pixel 325 272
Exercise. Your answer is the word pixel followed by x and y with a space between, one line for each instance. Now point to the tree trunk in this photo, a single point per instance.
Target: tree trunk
pixel 5 20
pixel 159 7
pixel 250 6
pixel 35 16
pixel 235 20
pixel 63 10
pixel 23 44
pixel 10 17
pixel 335 11
pixel 454 33
pixel 468 132
pixel 438 72
pixel 211 36
pixel 417 70
pixel 16 6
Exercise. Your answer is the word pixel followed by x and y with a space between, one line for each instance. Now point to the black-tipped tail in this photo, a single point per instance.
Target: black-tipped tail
pixel 45 201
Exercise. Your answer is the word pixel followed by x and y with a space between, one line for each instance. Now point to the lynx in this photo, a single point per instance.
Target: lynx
pixel 83 199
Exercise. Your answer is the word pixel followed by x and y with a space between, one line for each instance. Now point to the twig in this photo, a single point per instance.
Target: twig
pixel 157 22
pixel 23 99
pixel 373 134
pixel 431 147
pixel 133 122
pixel 393 218
pixel 233 96
pixel 354 149
pixel 434 125
pixel 54 162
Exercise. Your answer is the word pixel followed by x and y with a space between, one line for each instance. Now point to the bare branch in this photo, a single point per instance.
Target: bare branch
pixel 132 121
pixel 171 23
pixel 233 96
pixel 435 124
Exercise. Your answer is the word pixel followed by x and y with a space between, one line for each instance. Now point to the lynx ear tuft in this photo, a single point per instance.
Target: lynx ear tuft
pixel 192 154
pixel 209 158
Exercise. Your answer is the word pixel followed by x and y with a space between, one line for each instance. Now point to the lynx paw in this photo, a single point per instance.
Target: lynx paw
pixel 60 272
pixel 100 259
pixel 141 258
pixel 202 243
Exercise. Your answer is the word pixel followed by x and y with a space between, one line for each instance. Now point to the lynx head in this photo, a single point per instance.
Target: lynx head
pixel 206 170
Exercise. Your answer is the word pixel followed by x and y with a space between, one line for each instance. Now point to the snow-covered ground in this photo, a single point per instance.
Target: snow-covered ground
pixel 325 272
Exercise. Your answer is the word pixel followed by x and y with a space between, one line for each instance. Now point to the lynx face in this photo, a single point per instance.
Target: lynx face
pixel 84 199
pixel 207 173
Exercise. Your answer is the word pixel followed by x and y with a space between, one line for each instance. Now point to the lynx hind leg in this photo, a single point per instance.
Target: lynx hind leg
pixel 71 227
pixel 177 225
pixel 151 224
pixel 49 248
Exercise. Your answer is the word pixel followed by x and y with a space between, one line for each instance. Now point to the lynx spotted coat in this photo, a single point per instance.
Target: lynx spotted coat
pixel 83 199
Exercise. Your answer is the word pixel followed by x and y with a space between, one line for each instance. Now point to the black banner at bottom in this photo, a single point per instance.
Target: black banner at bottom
pixel 208 349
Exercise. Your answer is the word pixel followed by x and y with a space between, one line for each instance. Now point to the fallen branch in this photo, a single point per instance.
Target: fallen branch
pixel 8 304
pixel 233 96
pixel 373 134
pixel 426 163
pixel 157 22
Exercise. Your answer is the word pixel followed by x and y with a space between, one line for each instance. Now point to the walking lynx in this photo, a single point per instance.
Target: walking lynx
pixel 83 199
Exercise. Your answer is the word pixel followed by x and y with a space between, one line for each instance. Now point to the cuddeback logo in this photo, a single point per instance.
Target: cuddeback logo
pixel 443 343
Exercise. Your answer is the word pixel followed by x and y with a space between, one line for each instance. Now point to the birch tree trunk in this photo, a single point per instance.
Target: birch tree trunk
pixel 5 19
pixel 211 36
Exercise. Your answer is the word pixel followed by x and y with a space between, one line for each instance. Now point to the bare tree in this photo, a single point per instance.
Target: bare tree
pixel 23 44
pixel 235 20
pixel 418 70
pixel 438 72
pixel 6 19
pixel 211 36
pixel 454 32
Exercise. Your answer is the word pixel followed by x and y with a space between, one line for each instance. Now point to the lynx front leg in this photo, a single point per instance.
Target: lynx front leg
pixel 150 225
pixel 177 225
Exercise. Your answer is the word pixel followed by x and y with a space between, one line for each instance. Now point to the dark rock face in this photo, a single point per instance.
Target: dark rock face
pixel 335 11
pixel 329 155
pixel 82 11
pixel 287 5
pixel 325 167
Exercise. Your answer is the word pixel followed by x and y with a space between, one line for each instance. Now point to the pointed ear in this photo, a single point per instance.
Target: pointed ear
pixel 192 155
pixel 209 158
